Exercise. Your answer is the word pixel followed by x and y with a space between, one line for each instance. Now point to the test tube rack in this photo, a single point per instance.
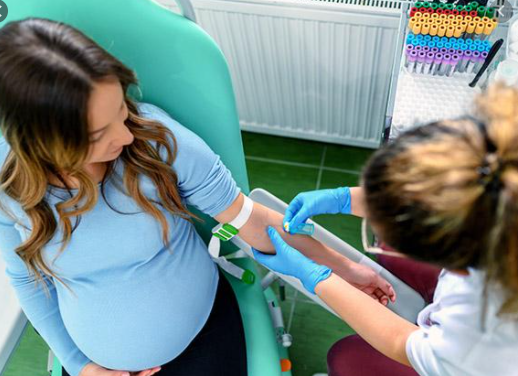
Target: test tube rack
pixel 423 91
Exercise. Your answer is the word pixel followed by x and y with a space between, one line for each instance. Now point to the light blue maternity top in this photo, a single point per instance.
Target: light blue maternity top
pixel 134 304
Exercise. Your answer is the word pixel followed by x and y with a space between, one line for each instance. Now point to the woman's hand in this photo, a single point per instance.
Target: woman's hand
pixel 291 262
pixel 92 369
pixel 325 201
pixel 367 280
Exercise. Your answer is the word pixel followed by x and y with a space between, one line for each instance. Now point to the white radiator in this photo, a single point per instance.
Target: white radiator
pixel 312 69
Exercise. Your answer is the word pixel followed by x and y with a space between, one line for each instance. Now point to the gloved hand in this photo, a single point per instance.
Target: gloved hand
pixel 325 201
pixel 291 262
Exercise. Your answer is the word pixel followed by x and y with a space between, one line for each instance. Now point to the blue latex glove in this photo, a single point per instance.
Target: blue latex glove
pixel 291 262
pixel 325 201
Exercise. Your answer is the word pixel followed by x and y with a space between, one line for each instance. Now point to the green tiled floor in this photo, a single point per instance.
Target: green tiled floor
pixel 284 167
pixel 30 359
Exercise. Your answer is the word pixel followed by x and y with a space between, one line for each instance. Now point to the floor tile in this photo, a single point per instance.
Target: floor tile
pixel 314 331
pixel 282 148
pixel 30 358
pixel 346 157
pixel 334 179
pixel 283 181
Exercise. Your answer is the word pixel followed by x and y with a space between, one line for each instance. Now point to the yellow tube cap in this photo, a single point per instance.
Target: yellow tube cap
pixel 449 31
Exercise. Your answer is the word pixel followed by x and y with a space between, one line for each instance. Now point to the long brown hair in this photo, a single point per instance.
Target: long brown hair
pixel 47 73
pixel 447 192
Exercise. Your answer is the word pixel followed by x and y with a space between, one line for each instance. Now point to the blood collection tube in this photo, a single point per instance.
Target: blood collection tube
pixel 479 29
pixel 412 60
pixel 446 60
pixel 455 59
pixel 481 59
pixel 436 63
pixel 473 62
pixel 465 58
pixel 428 63
pixel 490 27
pixel 449 31
pixel 421 57
pixel 470 29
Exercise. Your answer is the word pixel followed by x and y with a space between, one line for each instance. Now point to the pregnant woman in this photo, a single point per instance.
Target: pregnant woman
pixel 95 231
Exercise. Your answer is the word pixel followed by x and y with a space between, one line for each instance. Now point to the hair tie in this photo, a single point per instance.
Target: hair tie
pixel 490 173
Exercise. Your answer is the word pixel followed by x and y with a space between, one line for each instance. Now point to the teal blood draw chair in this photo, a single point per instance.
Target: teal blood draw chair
pixel 182 70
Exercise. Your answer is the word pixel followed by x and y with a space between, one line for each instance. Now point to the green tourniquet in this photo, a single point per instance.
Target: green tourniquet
pixel 228 227
pixel 226 232
pixel 220 237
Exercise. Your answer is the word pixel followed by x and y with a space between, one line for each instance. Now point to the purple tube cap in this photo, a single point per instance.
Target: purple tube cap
pixel 429 57
pixel 412 56
pixel 438 58
pixel 421 56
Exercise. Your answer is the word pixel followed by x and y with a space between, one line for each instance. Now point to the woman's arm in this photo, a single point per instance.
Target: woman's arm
pixel 380 327
pixel 41 309
pixel 383 329
pixel 357 202
pixel 254 233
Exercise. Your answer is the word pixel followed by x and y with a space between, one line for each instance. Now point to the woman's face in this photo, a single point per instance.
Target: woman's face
pixel 107 112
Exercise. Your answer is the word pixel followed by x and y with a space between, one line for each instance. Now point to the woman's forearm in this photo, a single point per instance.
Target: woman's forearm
pixel 254 233
pixel 382 328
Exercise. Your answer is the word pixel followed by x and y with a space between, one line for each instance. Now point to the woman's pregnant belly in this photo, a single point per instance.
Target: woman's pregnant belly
pixel 142 316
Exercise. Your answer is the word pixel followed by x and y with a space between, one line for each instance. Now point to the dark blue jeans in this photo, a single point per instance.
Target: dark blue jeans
pixel 219 349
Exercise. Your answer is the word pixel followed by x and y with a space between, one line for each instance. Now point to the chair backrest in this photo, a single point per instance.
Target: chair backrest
pixel 179 67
